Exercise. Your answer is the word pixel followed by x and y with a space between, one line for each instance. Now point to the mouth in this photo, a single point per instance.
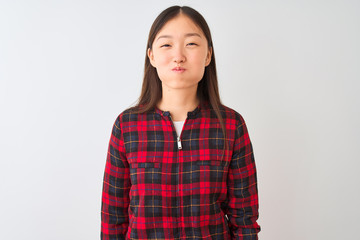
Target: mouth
pixel 178 69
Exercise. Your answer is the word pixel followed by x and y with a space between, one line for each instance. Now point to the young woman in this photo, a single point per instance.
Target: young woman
pixel 180 164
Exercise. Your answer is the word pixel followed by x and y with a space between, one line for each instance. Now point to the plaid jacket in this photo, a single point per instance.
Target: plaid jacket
pixel 158 186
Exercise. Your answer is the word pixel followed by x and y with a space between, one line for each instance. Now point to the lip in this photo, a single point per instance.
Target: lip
pixel 178 69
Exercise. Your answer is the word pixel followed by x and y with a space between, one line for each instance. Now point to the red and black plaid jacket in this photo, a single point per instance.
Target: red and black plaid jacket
pixel 159 187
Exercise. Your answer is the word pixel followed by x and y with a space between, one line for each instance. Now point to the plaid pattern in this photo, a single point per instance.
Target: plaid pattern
pixel 154 190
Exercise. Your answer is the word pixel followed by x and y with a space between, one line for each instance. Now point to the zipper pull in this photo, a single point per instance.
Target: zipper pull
pixel 179 143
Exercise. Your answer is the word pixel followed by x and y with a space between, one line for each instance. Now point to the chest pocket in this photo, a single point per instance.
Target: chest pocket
pixel 213 172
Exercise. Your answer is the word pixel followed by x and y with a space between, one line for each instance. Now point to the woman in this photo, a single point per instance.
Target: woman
pixel 180 164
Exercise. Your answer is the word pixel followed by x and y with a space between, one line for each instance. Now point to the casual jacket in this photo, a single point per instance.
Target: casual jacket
pixel 158 186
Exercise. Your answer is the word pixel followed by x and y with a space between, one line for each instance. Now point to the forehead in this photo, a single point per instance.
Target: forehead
pixel 180 25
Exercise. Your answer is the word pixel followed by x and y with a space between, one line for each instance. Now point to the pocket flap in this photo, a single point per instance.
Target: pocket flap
pixel 146 165
pixel 209 163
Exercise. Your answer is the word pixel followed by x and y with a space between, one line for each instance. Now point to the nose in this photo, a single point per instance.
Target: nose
pixel 179 56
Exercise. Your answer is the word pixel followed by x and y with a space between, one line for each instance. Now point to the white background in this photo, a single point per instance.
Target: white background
pixel 68 68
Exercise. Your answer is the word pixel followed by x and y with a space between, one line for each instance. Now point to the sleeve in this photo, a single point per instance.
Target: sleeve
pixel 242 207
pixel 116 187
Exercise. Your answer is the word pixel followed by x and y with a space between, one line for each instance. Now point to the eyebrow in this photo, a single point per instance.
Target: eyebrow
pixel 186 35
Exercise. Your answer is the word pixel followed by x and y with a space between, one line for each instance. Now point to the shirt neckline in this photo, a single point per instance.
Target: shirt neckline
pixel 190 114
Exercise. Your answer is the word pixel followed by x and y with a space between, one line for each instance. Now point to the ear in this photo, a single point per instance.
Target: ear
pixel 151 57
pixel 208 57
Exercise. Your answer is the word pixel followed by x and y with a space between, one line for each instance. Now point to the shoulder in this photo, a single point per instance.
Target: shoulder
pixel 127 112
pixel 132 114
pixel 231 114
pixel 232 118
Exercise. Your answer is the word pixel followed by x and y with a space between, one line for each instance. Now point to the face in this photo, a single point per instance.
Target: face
pixel 180 53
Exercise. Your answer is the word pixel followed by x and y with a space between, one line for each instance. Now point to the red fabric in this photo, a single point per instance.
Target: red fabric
pixel 154 190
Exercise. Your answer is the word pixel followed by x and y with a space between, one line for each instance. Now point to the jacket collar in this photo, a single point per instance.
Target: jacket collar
pixel 192 114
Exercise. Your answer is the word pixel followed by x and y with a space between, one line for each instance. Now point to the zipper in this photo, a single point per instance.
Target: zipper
pixel 178 140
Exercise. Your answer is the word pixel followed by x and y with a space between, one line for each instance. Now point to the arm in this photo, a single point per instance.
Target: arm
pixel 242 209
pixel 116 187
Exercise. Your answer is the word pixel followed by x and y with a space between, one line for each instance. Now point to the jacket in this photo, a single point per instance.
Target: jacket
pixel 160 186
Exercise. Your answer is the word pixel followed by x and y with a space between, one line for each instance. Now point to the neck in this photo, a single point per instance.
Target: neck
pixel 178 102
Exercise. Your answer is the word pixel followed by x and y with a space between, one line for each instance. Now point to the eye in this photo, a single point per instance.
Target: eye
pixel 192 44
pixel 165 45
